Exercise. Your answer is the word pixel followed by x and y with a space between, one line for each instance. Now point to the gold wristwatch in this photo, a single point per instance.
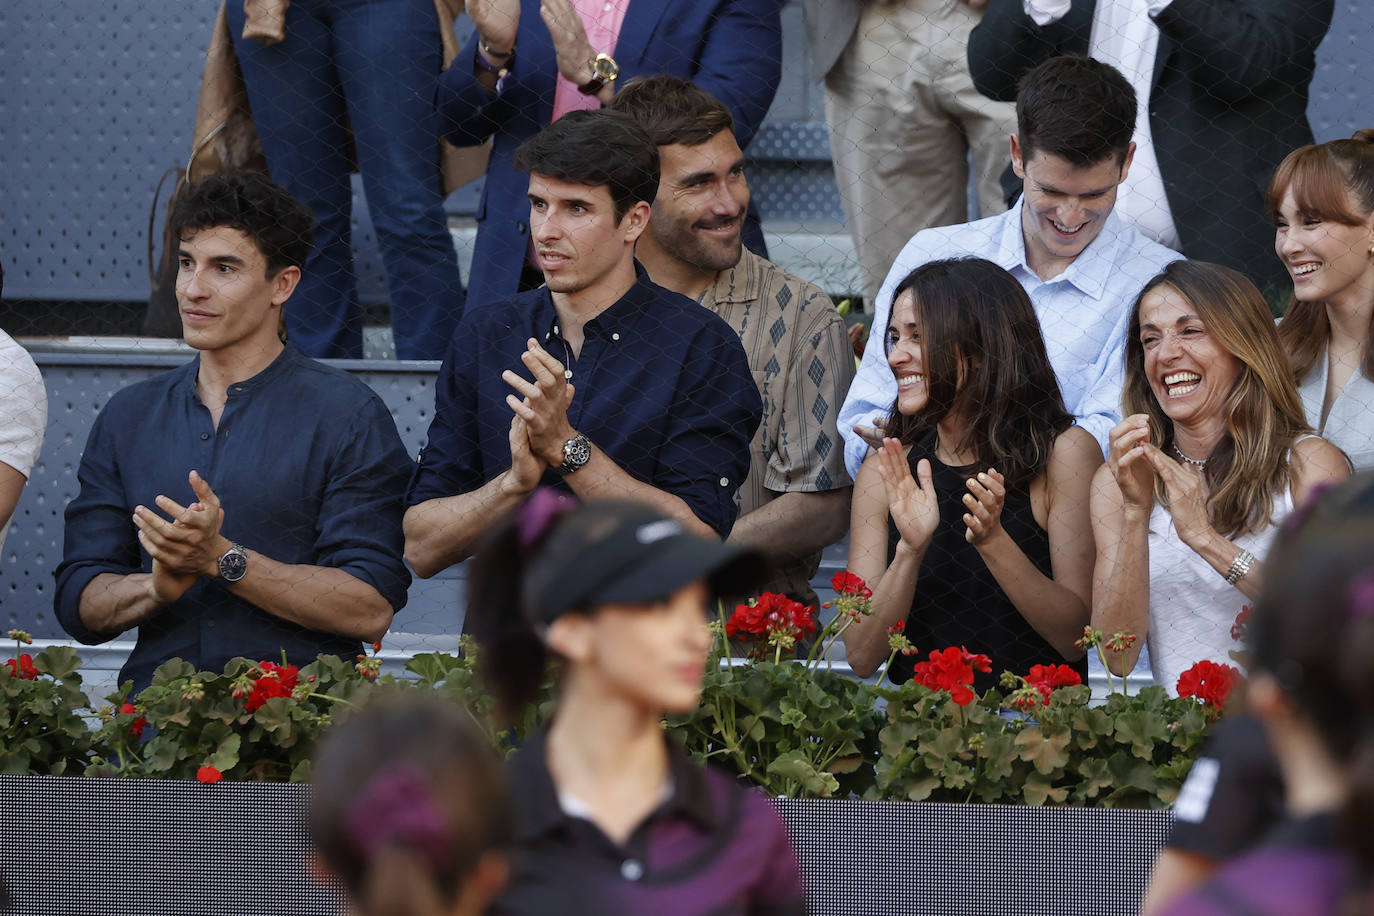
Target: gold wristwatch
pixel 604 70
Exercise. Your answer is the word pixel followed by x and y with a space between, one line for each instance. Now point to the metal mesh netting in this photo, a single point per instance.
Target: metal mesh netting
pixel 101 102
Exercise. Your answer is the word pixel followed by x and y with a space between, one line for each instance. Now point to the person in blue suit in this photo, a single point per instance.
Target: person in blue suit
pixel 529 60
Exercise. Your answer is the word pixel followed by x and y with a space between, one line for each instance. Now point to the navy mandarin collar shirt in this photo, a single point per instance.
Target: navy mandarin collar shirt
pixel 309 468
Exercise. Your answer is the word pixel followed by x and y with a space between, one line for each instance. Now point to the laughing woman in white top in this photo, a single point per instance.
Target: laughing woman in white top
pixel 1322 199
pixel 1213 454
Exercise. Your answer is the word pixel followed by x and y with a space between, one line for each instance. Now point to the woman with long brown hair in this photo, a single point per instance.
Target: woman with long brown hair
pixel 971 522
pixel 1214 452
pixel 1322 200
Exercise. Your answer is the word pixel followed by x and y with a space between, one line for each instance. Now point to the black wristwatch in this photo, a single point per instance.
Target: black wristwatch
pixel 577 451
pixel 233 564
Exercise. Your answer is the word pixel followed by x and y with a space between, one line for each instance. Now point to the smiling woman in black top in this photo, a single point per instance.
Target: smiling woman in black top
pixel 611 817
pixel 971 522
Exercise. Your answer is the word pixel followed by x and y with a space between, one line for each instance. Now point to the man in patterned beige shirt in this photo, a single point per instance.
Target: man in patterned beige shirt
pixel 795 500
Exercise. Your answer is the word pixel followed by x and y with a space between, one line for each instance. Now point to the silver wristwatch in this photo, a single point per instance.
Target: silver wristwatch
pixel 577 451
pixel 233 564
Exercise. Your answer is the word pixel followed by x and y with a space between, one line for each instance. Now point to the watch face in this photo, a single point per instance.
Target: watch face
pixel 233 565
pixel 605 67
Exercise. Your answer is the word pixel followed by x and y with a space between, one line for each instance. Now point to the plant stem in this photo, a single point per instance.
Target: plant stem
pixel 892 656
pixel 1102 656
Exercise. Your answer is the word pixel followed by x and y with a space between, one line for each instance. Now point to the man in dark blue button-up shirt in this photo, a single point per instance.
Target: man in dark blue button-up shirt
pixel 248 503
pixel 599 381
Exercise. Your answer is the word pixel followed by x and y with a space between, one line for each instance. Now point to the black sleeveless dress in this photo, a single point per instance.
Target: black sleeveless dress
pixel 957 600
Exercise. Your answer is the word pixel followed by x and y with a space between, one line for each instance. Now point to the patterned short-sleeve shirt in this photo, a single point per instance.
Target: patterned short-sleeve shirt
pixel 801 358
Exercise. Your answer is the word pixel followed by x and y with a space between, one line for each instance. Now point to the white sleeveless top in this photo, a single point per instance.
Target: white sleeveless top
pixel 1191 606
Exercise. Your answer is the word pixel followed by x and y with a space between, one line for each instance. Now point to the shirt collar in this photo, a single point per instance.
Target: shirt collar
pixel 637 299
pixel 289 356
pixel 741 283
pixel 1090 272
pixel 538 811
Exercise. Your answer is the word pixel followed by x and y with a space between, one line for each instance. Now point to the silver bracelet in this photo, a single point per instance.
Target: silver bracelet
pixel 1240 567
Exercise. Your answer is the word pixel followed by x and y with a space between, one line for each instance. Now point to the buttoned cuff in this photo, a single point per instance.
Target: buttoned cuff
pixel 1043 12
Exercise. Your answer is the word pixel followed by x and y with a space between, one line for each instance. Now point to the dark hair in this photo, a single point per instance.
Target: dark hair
pixel 280 226
pixel 596 148
pixel 1312 630
pixel 1077 108
pixel 1324 178
pixel 673 110
pixel 552 557
pixel 1264 415
pixel 975 315
pixel 408 794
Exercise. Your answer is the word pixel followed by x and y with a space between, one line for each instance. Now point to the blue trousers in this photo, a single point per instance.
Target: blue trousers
pixel 371 64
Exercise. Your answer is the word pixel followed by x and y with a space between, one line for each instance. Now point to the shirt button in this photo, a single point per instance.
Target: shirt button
pixel 631 870
pixel 204 436
pixel 567 374
pixel 725 481
pixel 615 335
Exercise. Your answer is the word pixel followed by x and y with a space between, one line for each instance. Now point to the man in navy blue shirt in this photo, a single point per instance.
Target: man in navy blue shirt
pixel 600 381
pixel 248 503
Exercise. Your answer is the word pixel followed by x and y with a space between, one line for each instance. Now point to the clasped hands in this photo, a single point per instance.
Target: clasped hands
pixel 540 426
pixel 915 509
pixel 187 544
pixel 498 21
pixel 1135 461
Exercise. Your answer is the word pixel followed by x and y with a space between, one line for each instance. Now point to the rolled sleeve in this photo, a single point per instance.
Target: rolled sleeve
pixel 450 462
pixel 360 515
pixel 98 533
pixel 705 453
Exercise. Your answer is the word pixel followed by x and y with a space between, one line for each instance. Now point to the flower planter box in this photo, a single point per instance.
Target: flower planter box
pixel 133 847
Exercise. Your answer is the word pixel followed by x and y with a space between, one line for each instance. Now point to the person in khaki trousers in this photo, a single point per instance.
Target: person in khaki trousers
pixel 904 118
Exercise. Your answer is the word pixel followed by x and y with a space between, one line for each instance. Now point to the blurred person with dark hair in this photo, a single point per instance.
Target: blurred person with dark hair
pixel 1080 264
pixel 409 809
pixel 331 83
pixel 23 420
pixel 905 120
pixel 971 522
pixel 248 503
pixel 1311 650
pixel 611 815
pixel 1322 201
pixel 1213 454
pixel 600 381
pixel 1223 89
pixel 795 501
pixel 530 62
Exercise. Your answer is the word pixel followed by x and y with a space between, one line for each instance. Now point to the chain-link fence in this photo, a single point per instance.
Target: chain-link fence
pixel 863 124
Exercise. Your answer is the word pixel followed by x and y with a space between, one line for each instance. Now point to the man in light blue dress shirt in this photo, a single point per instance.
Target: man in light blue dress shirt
pixel 1080 264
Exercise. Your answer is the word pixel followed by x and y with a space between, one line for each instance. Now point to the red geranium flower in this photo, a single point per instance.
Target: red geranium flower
pixel 274 681
pixel 771 612
pixel 951 669
pixel 136 727
pixel 846 583
pixel 1047 678
pixel 1241 623
pixel 1209 682
pixel 208 774
pixel 23 667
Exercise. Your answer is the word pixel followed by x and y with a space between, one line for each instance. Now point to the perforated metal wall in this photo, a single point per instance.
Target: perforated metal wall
pixel 125 846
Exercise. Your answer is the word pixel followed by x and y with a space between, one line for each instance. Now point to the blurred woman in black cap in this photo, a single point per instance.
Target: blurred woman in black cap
pixel 611 816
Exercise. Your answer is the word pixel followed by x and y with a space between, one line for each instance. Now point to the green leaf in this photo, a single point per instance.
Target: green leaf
pixel 171 670
pixel 59 661
pixel 226 754
pixel 1046 752
pixel 1143 731
pixel 1039 789
pixel 793 765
